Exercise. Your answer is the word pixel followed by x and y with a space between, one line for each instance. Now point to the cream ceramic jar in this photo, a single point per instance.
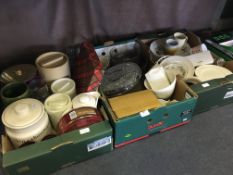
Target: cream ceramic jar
pixel 65 86
pixel 57 105
pixel 26 121
pixel 53 65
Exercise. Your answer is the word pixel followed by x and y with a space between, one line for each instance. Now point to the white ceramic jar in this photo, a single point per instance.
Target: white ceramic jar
pixel 57 105
pixel 65 86
pixel 26 121
pixel 53 65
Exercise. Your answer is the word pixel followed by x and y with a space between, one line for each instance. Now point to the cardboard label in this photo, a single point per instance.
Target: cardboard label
pixel 84 131
pixel 228 95
pixel 73 115
pixel 99 143
pixel 144 113
pixel 205 85
pixel 185 119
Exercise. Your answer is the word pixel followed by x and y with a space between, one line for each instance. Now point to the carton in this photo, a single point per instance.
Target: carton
pixel 146 119
pixel 58 152
pixel 214 93
pixel 140 125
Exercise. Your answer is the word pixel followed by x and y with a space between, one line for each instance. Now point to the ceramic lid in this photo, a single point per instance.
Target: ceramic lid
pixel 57 102
pixel 21 72
pixel 62 85
pixel 89 99
pixel 22 113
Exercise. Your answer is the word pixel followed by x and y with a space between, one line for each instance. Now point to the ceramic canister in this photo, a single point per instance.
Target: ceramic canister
pixel 53 65
pixel 57 105
pixel 64 85
pixel 26 121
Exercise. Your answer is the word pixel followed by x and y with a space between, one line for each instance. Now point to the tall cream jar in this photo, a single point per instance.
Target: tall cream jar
pixel 56 106
pixel 26 121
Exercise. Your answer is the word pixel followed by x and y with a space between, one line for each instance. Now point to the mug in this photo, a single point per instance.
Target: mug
pixel 181 39
pixel 171 46
pixel 52 66
pixel 14 91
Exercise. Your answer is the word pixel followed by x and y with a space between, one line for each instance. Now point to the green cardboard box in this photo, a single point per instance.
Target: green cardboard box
pixel 219 91
pixel 214 93
pixel 61 151
pixel 138 126
pixel 221 44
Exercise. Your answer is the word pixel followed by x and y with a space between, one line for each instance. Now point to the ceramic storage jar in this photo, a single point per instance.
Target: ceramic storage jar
pixel 57 105
pixel 26 121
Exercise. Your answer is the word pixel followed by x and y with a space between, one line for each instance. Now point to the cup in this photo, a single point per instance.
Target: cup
pixel 181 39
pixel 171 46
pixel 52 66
pixel 65 86
pixel 56 106
pixel 14 91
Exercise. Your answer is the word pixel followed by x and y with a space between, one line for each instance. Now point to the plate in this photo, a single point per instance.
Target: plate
pixel 178 65
pixel 210 72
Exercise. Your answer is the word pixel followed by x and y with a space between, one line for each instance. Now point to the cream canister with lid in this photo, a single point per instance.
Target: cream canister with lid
pixel 65 86
pixel 56 106
pixel 26 121
pixel 52 66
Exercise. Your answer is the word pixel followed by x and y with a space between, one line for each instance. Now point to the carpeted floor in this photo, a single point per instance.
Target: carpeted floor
pixel 203 147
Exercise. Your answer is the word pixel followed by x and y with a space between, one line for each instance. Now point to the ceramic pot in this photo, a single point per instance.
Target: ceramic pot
pixel 56 106
pixel 52 66
pixel 26 121
pixel 14 91
pixel 65 86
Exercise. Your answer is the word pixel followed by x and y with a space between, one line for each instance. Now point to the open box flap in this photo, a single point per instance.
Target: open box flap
pixel 13 156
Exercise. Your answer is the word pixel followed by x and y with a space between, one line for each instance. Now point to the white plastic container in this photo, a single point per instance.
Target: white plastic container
pixel 26 121
pixel 56 106
pixel 162 84
pixel 65 86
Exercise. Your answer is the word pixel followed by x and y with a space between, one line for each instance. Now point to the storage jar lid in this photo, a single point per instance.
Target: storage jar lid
pixel 57 102
pixel 20 72
pixel 62 85
pixel 23 113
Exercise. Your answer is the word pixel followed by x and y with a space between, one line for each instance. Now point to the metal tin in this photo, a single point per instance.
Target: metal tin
pixel 79 118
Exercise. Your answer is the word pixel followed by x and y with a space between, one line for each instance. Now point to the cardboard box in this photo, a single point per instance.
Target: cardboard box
pixel 50 155
pixel 144 123
pixel 219 91
pixel 214 93
pixel 221 44
pixel 141 125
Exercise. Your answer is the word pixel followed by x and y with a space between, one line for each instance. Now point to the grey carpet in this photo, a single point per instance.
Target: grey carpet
pixel 203 147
